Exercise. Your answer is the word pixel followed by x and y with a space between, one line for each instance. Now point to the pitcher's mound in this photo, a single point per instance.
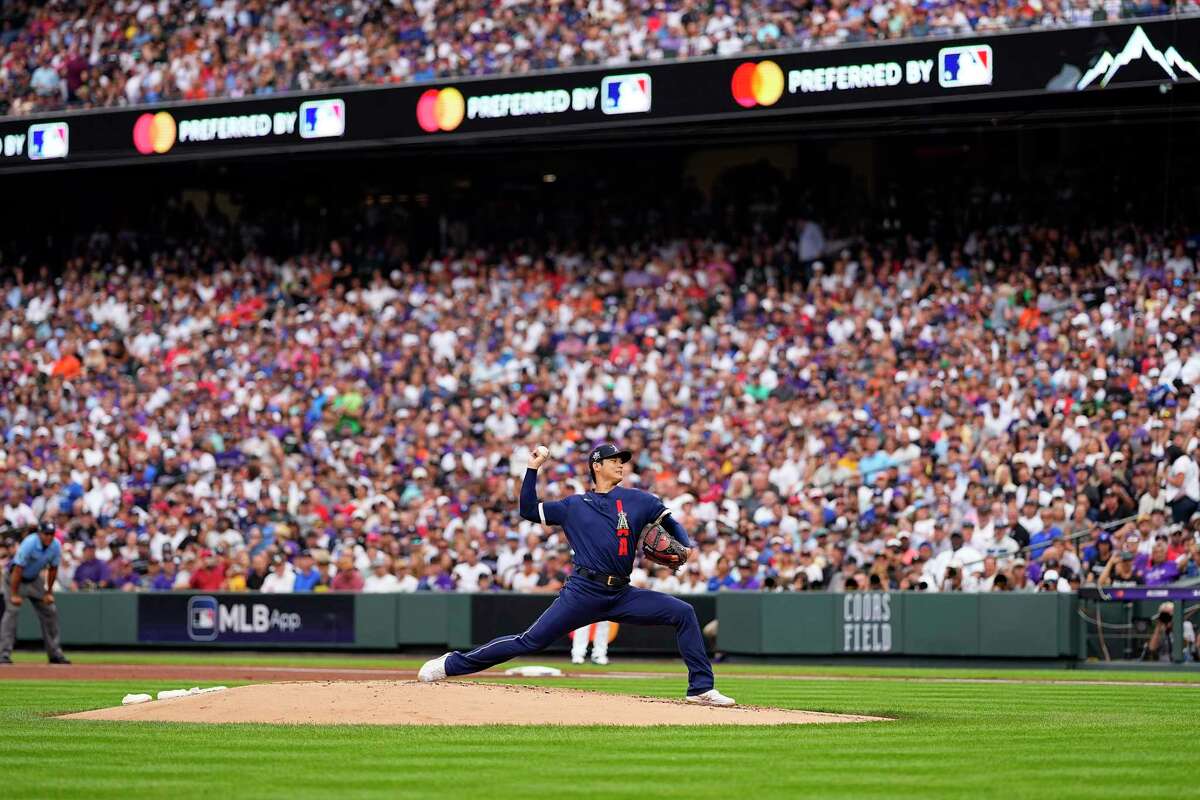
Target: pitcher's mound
pixel 412 703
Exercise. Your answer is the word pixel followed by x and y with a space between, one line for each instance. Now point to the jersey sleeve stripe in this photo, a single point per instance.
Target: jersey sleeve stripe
pixel 542 512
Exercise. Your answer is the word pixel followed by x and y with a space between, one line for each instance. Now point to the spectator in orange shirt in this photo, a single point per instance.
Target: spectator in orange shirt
pixel 67 366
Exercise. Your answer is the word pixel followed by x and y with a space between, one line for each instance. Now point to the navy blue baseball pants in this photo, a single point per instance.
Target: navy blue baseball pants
pixel 582 602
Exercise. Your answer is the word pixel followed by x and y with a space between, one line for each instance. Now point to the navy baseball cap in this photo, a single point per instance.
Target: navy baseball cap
pixel 47 527
pixel 607 450
pixel 604 451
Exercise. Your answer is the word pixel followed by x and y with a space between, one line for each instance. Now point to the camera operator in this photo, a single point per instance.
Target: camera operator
pixel 952 581
pixel 1162 638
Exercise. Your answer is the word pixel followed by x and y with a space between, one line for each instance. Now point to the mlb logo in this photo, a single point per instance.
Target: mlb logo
pixel 202 618
pixel 625 94
pixel 322 118
pixel 969 65
pixel 49 140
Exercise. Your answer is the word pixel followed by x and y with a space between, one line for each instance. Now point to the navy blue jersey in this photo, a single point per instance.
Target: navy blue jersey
pixel 603 529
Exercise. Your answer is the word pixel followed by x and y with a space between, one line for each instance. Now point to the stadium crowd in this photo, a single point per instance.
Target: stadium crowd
pixel 1011 411
pixel 79 53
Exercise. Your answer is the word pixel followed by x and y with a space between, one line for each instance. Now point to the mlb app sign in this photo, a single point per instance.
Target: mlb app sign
pixel 208 619
pixel 970 65
pixel 204 618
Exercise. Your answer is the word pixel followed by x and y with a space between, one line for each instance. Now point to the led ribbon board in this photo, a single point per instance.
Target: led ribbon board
pixel 1094 58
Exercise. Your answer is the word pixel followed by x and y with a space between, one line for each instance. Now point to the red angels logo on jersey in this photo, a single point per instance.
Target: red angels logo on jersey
pixel 622 531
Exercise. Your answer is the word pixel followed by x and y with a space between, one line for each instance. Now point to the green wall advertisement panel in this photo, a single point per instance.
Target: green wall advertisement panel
pixel 869 623
pixel 899 623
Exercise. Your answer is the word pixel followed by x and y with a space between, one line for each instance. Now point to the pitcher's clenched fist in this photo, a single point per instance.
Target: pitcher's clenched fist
pixel 541 454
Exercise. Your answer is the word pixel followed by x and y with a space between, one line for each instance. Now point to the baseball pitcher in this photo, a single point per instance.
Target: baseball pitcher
pixel 600 526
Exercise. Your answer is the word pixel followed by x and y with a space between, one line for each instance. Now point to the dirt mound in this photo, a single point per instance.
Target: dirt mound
pixel 413 703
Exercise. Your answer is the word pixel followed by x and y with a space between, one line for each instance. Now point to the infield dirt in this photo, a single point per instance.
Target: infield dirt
pixel 452 703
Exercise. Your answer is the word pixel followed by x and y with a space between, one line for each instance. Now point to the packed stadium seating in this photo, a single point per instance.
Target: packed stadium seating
pixel 820 414
pixel 83 54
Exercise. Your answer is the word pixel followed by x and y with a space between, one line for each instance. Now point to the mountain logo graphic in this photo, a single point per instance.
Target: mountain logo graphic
pixel 1138 46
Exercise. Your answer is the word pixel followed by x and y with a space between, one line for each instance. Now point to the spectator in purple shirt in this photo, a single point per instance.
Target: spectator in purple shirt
pixel 92 573
pixel 746 582
pixel 1161 569
pixel 444 582
pixel 165 580
pixel 124 578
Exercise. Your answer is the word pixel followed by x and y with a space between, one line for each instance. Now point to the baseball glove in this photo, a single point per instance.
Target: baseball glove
pixel 662 548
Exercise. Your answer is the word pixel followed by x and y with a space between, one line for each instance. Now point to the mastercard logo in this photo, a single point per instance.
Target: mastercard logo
pixel 440 110
pixel 758 84
pixel 154 133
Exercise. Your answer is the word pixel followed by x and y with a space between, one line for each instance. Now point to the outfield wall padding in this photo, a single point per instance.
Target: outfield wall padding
pixel 92 618
pixel 784 624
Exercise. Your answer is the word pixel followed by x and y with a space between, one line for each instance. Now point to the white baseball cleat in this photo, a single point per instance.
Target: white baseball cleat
pixel 577 659
pixel 433 670
pixel 711 698
pixel 600 660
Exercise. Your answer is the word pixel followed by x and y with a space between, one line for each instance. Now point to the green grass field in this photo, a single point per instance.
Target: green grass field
pixel 963 739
